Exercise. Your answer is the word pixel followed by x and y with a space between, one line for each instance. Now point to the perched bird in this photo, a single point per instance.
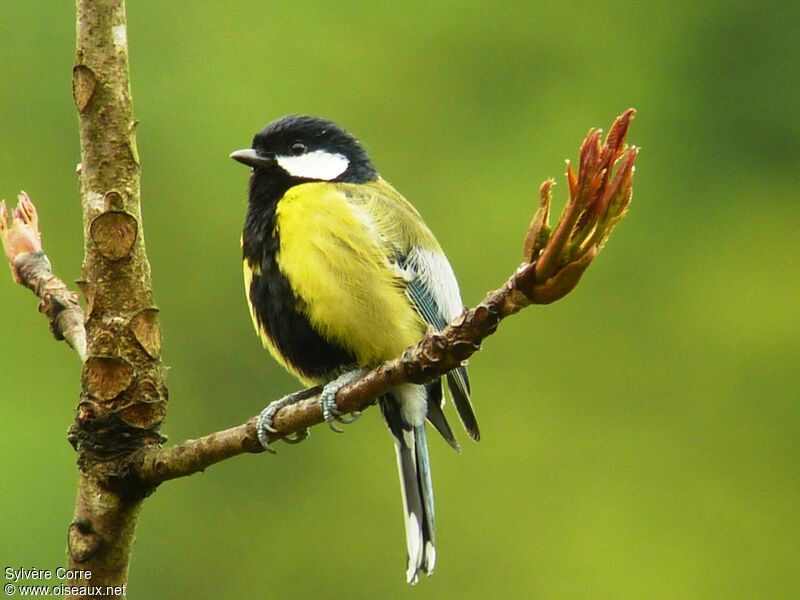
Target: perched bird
pixel 342 274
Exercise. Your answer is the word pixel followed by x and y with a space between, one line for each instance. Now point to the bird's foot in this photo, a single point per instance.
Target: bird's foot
pixel 264 423
pixel 327 400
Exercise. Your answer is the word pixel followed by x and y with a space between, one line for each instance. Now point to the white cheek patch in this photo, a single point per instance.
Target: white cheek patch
pixel 314 165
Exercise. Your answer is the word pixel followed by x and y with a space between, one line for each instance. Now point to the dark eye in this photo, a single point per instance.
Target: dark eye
pixel 298 148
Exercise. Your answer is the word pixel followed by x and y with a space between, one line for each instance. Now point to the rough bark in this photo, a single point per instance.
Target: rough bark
pixel 118 337
pixel 123 391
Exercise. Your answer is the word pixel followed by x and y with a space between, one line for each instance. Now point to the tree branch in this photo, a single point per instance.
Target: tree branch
pixel 435 355
pixel 123 392
pixel 554 264
pixel 30 267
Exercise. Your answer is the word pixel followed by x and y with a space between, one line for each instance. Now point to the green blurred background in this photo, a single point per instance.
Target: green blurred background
pixel 640 436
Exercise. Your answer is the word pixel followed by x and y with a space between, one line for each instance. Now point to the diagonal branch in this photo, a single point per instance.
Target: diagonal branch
pixel 435 355
pixel 555 262
pixel 123 390
pixel 30 267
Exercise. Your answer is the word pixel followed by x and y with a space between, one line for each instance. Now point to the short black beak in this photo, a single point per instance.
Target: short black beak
pixel 251 158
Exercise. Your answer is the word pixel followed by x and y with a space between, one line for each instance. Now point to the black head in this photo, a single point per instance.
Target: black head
pixel 306 148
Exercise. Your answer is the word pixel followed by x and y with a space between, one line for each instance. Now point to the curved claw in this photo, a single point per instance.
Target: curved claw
pixel 296 437
pixel 264 422
pixel 348 419
pixel 264 428
pixel 330 413
pixel 332 426
pixel 327 400
pixel 265 419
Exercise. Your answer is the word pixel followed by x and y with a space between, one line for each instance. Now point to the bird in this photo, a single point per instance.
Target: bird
pixel 341 274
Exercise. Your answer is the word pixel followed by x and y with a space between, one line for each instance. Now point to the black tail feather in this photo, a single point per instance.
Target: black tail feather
pixel 458 382
pixel 415 481
pixel 436 414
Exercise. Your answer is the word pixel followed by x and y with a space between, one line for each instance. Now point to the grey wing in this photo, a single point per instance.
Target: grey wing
pixel 433 289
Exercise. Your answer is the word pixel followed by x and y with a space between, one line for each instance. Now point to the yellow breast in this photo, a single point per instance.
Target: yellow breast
pixel 334 258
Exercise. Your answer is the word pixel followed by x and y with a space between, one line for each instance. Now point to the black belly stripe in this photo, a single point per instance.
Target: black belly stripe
pixel 278 311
